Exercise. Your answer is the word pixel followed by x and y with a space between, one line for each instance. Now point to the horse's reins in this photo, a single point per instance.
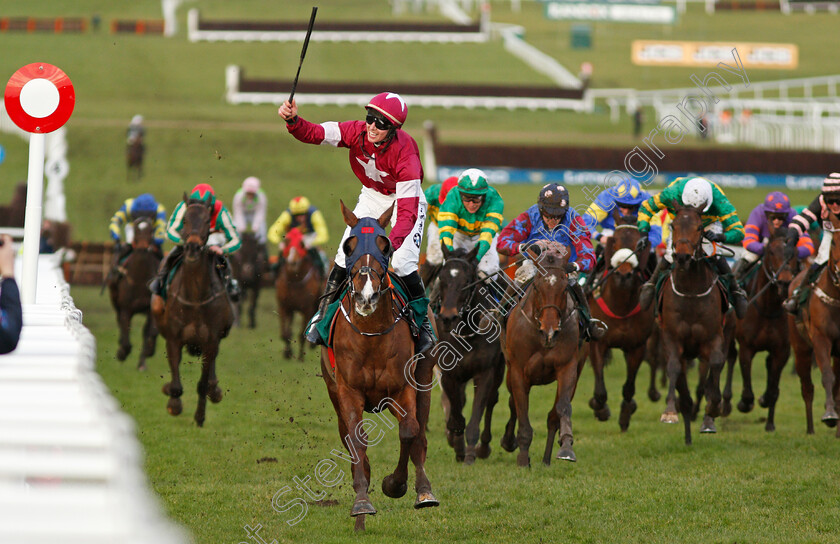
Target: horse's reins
pixel 535 320
pixel 694 257
pixel 351 292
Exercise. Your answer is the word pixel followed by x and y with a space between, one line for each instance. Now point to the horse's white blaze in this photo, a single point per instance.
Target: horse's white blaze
pixel 143 224
pixel 624 255
pixel 552 279
pixel 367 290
pixel 453 272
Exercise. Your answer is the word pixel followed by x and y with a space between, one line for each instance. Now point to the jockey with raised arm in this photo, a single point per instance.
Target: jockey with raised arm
pixel 143 205
pixel 820 209
pixel 386 160
pixel 220 223
pixel 310 221
pixel 553 221
pixel 775 211
pixel 720 222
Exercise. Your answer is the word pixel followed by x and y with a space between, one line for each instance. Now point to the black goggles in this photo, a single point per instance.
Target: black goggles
pixel 772 216
pixel 832 199
pixel 380 123
pixel 472 198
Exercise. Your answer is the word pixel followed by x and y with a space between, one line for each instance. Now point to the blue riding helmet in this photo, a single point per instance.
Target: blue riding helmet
pixel 367 230
pixel 629 193
pixel 144 203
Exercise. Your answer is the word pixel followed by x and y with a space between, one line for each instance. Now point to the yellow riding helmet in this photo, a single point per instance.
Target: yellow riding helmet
pixel 299 205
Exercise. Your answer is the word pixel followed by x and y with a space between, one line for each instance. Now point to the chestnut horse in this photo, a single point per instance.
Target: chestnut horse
pixel 692 320
pixel 297 288
pixel 130 293
pixel 764 328
pixel 616 302
pixel 466 328
pixel 248 268
pixel 375 367
pixel 541 347
pixel 819 336
pixel 197 312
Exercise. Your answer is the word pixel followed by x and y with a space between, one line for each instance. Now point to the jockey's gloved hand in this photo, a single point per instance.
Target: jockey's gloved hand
pixel 530 249
pixel 715 236
pixel 790 244
pixel 641 244
pixel 572 267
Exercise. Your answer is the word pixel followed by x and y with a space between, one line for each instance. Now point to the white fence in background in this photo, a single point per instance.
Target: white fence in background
pixel 70 464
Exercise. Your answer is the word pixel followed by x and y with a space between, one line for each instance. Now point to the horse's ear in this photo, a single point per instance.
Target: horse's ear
pixel 185 197
pixel 616 215
pixel 349 217
pixel 385 218
pixel 445 250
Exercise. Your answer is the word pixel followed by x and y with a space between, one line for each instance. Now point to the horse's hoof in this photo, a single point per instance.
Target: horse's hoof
pixel 425 500
pixel 123 352
pixel 669 417
pixel 654 395
pixel 745 406
pixel 459 458
pixel 215 395
pixel 174 406
pixel 450 438
pixel 469 459
pixel 523 459
pixel 566 454
pixel 726 409
pixel 482 451
pixel 763 402
pixel 708 425
pixel 508 443
pixel 199 422
pixel 830 418
pixel 393 488
pixel 288 354
pixel 362 507
pixel 603 414
pixel 141 367
pixel 769 427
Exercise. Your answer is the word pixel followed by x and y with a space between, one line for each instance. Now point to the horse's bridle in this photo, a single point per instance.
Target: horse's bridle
pixel 464 310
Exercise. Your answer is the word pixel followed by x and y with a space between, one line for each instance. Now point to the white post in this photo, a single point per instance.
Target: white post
pixel 32 218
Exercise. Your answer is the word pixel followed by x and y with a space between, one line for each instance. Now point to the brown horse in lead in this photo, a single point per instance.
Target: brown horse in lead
pixel 818 333
pixel 764 328
pixel 692 321
pixel 615 301
pixel 197 312
pixel 129 292
pixel 376 368
pixel 541 347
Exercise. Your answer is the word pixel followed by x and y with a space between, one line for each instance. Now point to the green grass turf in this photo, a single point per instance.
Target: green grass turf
pixel 741 485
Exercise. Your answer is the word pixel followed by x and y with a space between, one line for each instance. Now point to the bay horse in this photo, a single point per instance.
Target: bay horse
pixel 134 152
pixel 249 264
pixel 130 293
pixel 297 289
pixel 197 312
pixel 817 336
pixel 616 302
pixel 764 328
pixel 542 346
pixel 467 331
pixel 375 368
pixel 692 322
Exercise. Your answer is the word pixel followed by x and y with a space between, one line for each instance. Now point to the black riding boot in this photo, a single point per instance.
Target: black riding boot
pixel 156 286
pixel 231 283
pixel 425 338
pixel 801 293
pixel 736 293
pixel 649 288
pixel 592 329
pixel 740 268
pixel 331 292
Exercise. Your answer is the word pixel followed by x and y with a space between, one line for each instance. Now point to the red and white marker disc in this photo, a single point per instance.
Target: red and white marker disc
pixel 40 98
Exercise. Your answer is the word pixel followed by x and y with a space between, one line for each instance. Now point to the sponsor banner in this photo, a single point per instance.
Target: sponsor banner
pixel 503 176
pixel 618 13
pixel 636 2
pixel 780 56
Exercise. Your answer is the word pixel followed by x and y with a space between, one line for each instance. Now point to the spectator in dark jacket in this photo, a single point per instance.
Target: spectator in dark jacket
pixel 11 314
